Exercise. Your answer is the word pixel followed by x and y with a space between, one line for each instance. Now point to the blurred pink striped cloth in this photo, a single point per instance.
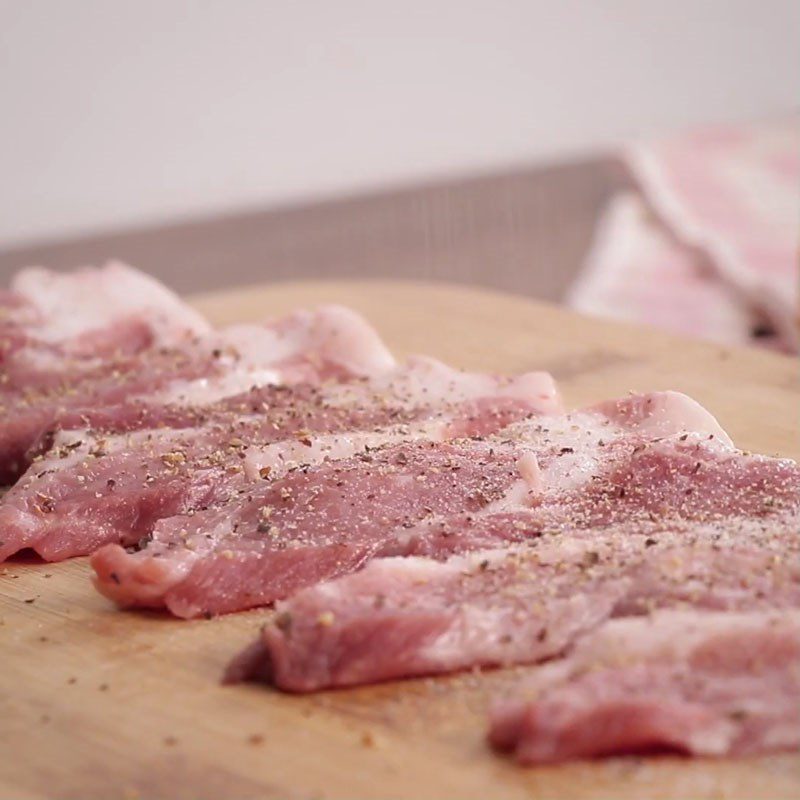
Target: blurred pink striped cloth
pixel 709 246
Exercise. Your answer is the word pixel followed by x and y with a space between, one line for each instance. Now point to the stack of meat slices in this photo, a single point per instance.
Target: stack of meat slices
pixel 140 359
pixel 661 569
pixel 421 495
pixel 407 519
pixel 103 444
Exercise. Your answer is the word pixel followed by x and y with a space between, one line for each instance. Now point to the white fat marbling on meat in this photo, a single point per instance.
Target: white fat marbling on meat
pixel 71 304
pixel 473 626
pixel 427 382
pixel 528 467
pixel 351 342
pixel 331 334
pixel 74 446
pixel 662 414
pixel 286 454
pixel 204 391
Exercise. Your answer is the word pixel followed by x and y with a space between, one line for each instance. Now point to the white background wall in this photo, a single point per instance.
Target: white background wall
pixel 116 112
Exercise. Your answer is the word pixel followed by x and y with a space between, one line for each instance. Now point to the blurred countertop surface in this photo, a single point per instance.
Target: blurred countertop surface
pixel 523 230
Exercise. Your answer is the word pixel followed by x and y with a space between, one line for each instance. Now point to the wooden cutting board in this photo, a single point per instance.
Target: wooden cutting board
pixel 95 703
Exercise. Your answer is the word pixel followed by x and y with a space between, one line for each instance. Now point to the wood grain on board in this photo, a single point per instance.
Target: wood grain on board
pixel 98 704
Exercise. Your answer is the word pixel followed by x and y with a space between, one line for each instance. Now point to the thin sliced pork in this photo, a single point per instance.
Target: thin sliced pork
pixel 162 387
pixel 709 684
pixel 403 617
pixel 91 489
pixel 315 523
pixel 90 313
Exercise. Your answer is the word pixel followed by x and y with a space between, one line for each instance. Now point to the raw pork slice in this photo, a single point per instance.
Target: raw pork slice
pixel 699 683
pixel 315 523
pixel 91 313
pixel 162 387
pixel 93 489
pixel 402 617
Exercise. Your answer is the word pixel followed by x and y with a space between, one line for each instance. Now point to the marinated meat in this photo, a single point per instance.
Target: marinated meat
pixel 317 522
pixel 159 387
pixel 91 489
pixel 403 617
pixel 91 313
pixel 697 683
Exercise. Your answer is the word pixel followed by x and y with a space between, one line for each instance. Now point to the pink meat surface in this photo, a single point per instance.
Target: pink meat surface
pixel 107 395
pixel 402 617
pixel 82 339
pixel 309 525
pixel 91 312
pixel 319 522
pixel 160 387
pixel 92 489
pixel 697 683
